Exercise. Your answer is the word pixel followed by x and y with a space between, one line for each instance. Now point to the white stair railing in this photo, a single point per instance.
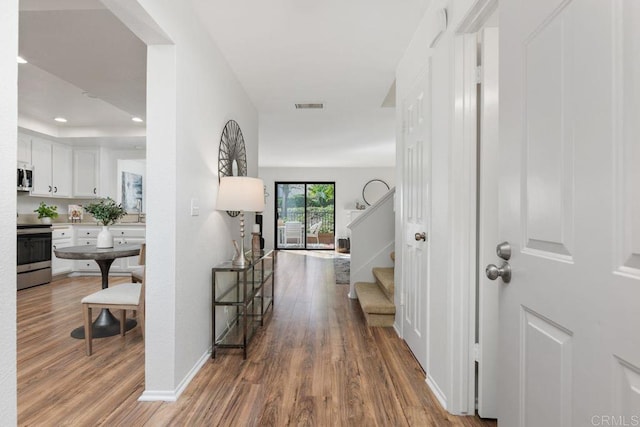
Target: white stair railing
pixel 372 240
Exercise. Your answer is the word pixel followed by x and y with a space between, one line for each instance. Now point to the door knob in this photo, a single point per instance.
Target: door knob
pixel 504 271
pixel 421 236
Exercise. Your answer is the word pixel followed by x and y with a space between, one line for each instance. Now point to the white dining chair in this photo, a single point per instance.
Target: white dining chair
pixel 293 231
pixel 127 296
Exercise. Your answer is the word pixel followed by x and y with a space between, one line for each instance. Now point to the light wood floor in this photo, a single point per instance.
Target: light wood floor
pixel 313 363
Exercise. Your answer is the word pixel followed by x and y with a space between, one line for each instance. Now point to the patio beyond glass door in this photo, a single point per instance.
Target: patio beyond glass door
pixel 305 215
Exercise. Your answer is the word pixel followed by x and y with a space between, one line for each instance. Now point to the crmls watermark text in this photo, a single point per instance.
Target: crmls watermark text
pixel 615 420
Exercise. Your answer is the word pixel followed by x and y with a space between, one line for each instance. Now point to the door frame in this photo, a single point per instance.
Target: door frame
pixel 465 145
pixel 456 389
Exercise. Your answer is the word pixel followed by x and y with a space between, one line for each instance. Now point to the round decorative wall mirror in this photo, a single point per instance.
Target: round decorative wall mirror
pixel 232 155
pixel 373 190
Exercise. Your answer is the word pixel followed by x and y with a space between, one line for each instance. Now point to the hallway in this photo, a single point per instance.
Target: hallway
pixel 314 363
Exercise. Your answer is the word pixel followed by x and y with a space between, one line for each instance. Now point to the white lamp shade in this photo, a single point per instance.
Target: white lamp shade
pixel 240 193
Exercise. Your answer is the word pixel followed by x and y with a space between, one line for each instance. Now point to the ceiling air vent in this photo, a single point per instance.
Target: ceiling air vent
pixel 310 106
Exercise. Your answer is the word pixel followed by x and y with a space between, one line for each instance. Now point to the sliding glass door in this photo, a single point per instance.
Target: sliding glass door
pixel 305 215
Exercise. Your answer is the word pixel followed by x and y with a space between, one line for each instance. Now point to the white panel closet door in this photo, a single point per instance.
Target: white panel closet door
pixel 570 207
pixel 417 208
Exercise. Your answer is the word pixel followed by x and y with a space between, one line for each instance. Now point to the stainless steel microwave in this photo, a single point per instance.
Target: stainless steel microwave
pixel 25 178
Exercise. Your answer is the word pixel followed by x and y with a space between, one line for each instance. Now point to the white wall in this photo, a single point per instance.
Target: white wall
pixel 445 344
pixel 191 93
pixel 349 184
pixel 8 159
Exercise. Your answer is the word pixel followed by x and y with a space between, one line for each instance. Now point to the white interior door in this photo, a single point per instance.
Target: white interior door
pixel 489 169
pixel 570 207
pixel 416 209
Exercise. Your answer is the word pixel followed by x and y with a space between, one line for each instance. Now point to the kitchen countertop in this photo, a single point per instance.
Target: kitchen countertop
pixel 28 219
pixel 85 224
pixel 95 224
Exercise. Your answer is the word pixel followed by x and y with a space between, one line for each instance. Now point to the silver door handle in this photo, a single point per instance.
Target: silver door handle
pixel 504 271
pixel 421 236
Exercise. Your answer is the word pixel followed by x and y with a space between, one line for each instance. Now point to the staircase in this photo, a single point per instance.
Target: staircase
pixel 376 299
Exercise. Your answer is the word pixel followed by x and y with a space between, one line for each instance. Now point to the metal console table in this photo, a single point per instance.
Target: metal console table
pixel 245 298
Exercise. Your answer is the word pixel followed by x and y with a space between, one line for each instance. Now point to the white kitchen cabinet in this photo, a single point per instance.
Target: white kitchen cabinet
pixel 86 232
pixel 86 172
pixel 86 266
pixel 62 171
pixel 85 242
pixel 61 238
pixel 41 159
pixel 122 235
pixel 24 149
pixel 129 263
pixel 127 235
pixel 85 235
pixel 52 170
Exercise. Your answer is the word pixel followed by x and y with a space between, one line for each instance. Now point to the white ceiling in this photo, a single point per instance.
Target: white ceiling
pixel 83 65
pixel 341 53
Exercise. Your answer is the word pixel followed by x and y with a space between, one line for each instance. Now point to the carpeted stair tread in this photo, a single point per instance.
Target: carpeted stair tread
pixel 384 276
pixel 373 300
pixel 379 320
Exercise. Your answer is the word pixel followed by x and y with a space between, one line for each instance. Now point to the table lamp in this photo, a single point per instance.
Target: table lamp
pixel 240 193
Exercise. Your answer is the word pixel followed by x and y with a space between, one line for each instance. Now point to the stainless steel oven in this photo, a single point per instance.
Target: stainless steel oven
pixel 34 255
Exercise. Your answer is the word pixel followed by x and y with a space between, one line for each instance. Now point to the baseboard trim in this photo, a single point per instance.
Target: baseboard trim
pixel 437 392
pixel 172 396
pixel 157 396
pixel 192 373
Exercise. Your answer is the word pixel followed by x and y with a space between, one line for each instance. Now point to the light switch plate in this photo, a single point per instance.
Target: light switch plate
pixel 195 207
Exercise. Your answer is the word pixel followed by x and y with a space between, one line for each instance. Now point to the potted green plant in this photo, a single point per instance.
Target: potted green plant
pixel 106 211
pixel 46 212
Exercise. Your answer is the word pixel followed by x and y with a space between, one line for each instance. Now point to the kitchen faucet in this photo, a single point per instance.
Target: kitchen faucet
pixel 139 208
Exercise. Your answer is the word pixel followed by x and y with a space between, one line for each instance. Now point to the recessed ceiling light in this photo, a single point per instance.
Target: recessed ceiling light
pixel 137 119
pixel 21 60
pixel 310 106
pixel 60 119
